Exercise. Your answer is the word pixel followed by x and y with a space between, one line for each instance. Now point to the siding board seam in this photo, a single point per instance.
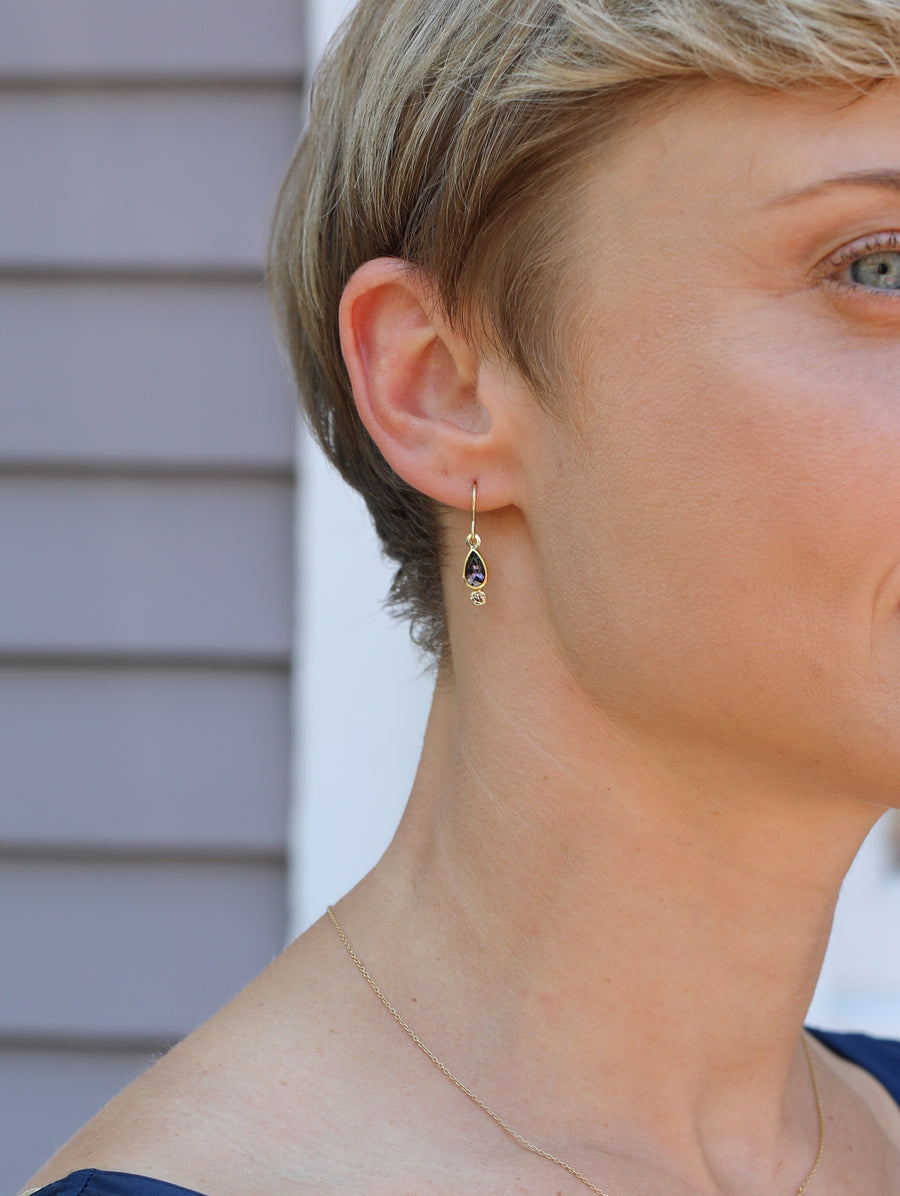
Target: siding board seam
pixel 194 856
pixel 131 272
pixel 152 82
pixel 57 655
pixel 55 469
pixel 84 1044
pixel 152 665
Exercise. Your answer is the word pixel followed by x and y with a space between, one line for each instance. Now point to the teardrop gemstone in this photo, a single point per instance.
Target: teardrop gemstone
pixel 475 570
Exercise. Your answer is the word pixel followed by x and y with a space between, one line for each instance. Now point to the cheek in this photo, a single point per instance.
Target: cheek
pixel 729 535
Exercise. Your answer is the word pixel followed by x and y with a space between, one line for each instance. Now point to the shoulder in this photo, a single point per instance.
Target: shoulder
pixel 237 1105
pixel 869 1068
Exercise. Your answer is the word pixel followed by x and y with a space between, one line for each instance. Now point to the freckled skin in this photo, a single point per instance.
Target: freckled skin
pixel 662 740
pixel 735 457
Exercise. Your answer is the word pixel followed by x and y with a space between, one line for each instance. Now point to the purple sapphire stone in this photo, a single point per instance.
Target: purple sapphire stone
pixel 475 570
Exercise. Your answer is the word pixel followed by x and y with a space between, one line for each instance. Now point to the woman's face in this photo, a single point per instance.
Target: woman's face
pixel 721 514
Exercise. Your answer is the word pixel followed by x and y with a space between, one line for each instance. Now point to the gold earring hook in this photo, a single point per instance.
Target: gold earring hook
pixel 473 539
pixel 475 568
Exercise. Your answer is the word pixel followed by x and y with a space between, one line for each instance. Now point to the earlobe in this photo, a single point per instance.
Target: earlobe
pixel 416 383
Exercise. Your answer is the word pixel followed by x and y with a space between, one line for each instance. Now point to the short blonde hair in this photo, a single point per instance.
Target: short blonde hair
pixel 445 132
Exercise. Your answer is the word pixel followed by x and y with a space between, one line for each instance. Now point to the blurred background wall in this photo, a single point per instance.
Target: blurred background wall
pixel 207 724
pixel 147 487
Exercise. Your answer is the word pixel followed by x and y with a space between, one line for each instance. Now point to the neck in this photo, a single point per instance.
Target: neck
pixel 620 943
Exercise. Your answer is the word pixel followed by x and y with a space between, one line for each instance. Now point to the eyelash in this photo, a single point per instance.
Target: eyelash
pixel 881 243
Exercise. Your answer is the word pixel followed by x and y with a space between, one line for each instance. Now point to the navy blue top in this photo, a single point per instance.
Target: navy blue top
pixel 112 1183
pixel 879 1056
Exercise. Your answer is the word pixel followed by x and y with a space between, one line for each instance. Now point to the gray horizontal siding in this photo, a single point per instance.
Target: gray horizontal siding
pixel 146 536
pixel 143 759
pixel 163 180
pixel 49 38
pixel 143 373
pixel 123 565
pixel 46 1094
pixel 178 939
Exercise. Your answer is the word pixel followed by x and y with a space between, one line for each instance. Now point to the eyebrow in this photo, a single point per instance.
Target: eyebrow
pixel 885 179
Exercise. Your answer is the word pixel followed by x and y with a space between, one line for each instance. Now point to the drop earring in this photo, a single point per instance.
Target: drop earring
pixel 475 569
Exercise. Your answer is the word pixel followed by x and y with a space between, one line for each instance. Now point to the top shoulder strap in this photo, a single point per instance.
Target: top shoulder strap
pixel 878 1056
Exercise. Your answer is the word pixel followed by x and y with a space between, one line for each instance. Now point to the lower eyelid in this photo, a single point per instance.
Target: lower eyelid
pixel 856 293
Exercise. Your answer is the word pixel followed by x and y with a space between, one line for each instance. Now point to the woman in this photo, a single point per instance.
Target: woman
pixel 598 304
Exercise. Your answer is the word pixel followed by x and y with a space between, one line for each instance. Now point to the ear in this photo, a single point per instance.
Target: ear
pixel 437 409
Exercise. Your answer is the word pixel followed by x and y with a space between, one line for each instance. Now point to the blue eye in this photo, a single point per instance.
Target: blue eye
pixel 878 271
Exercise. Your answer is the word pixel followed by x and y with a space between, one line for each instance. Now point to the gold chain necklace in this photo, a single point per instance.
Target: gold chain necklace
pixel 514 1134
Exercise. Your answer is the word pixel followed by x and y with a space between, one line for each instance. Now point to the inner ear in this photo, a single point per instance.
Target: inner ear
pixel 406 364
pixel 448 392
